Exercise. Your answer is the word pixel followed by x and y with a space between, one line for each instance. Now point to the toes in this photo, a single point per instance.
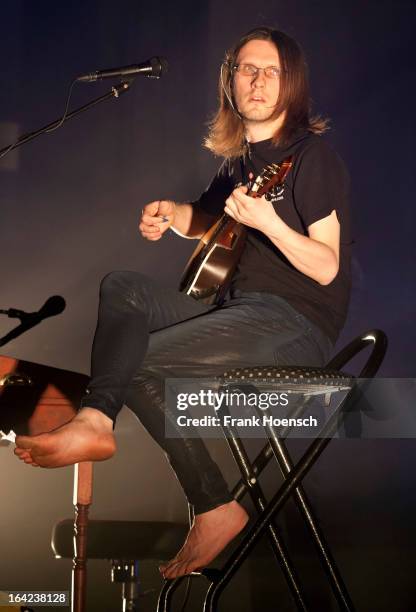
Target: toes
pixel 26 457
pixel 23 455
pixel 164 569
pixel 178 570
pixel 170 572
pixel 30 461
pixel 167 570
pixel 24 442
pixel 21 452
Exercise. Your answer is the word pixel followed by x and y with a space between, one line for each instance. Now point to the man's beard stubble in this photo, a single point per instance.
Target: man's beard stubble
pixel 258 116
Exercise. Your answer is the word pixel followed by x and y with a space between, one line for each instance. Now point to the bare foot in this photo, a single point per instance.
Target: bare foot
pixel 209 535
pixel 88 437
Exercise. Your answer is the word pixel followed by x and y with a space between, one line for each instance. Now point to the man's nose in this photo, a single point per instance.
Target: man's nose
pixel 259 79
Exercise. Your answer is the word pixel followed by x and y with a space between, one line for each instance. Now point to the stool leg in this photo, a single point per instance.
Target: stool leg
pixel 339 589
pixel 82 501
pixel 258 465
pixel 276 504
pixel 240 455
pixel 264 456
pixel 166 594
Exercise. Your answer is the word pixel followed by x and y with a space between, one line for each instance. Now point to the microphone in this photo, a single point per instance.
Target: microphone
pixel 153 68
pixel 52 307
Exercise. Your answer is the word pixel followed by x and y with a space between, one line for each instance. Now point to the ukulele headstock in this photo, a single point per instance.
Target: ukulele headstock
pixel 271 176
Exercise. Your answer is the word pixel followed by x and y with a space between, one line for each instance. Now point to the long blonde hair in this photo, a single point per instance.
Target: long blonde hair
pixel 226 130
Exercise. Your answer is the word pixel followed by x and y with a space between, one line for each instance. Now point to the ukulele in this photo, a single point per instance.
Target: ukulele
pixel 210 269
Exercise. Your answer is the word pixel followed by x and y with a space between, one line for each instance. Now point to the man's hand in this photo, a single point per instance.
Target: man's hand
pixel 254 212
pixel 156 218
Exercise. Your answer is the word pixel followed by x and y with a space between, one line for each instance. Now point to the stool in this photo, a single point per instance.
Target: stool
pixel 305 382
pixel 124 543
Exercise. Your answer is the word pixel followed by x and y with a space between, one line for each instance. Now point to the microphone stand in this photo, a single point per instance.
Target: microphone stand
pixel 115 92
pixel 27 320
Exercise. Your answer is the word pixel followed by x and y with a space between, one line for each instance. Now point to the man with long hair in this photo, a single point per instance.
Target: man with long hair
pixel 287 302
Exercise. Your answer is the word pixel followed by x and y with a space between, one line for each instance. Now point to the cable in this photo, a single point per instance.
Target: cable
pixel 227 95
pixel 65 111
pixel 52 129
pixel 9 149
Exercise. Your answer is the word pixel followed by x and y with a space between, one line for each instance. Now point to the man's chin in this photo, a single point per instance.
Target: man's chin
pixel 257 117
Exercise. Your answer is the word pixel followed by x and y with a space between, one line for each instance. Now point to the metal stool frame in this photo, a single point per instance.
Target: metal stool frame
pixel 293 476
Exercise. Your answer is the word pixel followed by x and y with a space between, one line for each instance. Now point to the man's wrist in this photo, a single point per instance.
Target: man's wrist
pixel 275 229
pixel 174 214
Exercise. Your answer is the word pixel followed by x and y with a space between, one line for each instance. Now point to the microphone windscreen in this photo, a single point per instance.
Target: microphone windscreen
pixel 159 66
pixel 53 306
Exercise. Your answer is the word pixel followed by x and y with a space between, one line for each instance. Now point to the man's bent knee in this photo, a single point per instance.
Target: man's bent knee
pixel 124 288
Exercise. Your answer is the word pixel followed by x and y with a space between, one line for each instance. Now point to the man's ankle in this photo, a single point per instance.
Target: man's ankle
pixel 96 417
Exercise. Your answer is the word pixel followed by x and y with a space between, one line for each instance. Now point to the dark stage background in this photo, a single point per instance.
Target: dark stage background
pixel 70 203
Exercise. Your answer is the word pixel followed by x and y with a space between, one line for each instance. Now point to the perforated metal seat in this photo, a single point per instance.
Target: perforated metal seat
pixel 293 379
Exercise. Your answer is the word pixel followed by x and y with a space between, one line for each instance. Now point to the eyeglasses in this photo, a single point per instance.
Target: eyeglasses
pixel 271 72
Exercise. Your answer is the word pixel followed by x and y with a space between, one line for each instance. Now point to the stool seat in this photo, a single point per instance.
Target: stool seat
pixel 121 539
pixel 296 379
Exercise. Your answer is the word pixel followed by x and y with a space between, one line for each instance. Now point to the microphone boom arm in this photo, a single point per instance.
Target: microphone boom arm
pixel 115 92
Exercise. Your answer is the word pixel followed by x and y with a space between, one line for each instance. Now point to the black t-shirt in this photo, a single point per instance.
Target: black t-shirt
pixel 316 185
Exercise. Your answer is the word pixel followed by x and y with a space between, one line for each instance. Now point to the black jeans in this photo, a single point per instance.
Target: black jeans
pixel 147 333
